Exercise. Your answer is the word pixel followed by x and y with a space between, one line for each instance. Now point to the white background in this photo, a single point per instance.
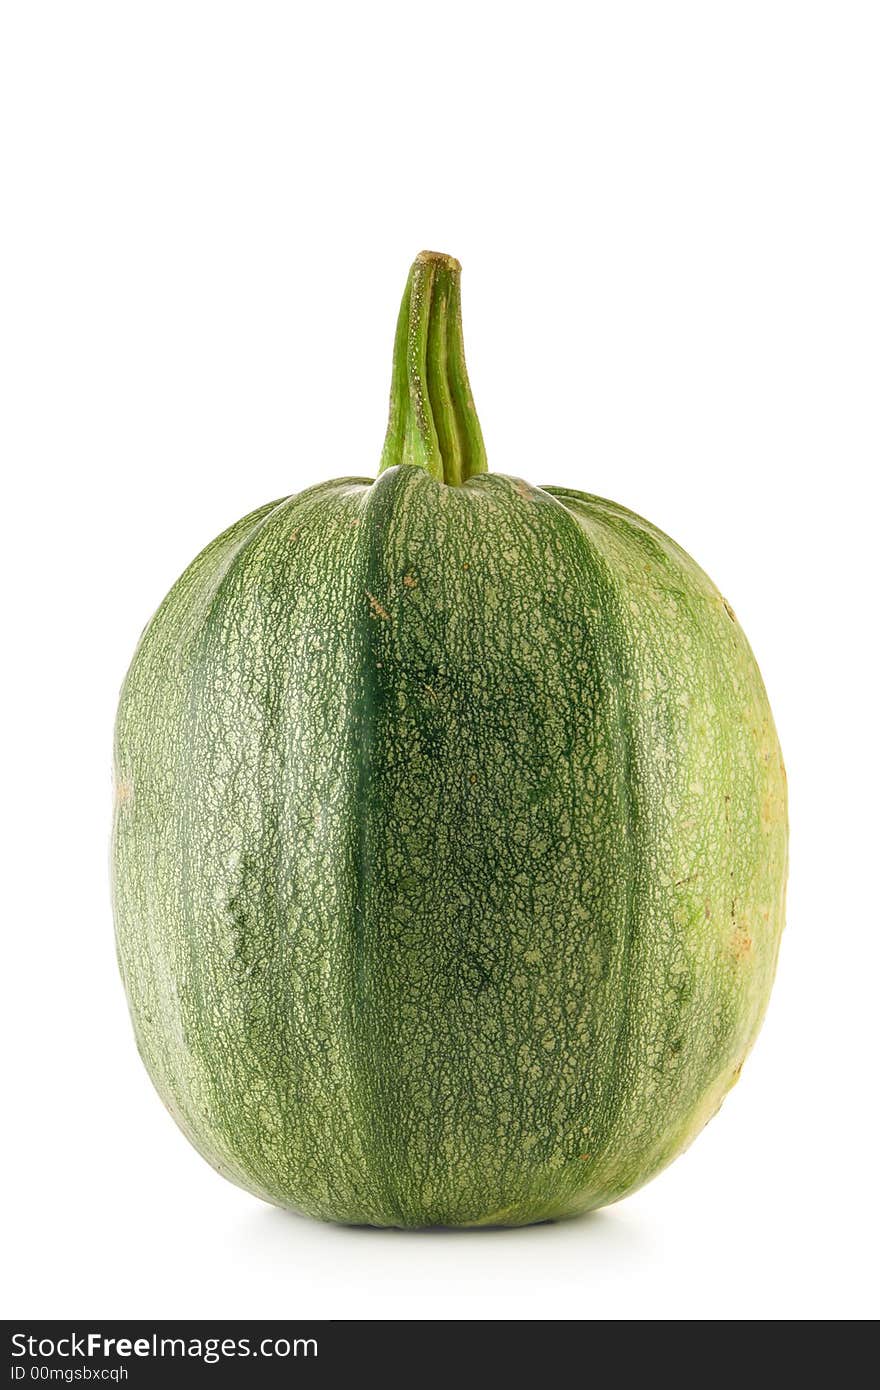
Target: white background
pixel 669 221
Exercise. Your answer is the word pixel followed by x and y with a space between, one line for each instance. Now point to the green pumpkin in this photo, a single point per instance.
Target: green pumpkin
pixel 450 838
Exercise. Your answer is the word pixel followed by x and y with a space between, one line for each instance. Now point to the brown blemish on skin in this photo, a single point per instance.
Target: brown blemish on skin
pixel 124 791
pixel 741 942
pixel 728 610
pixel 376 609
pixel 771 811
pixel 523 489
pixel 410 581
pixel 584 1158
pixel 294 535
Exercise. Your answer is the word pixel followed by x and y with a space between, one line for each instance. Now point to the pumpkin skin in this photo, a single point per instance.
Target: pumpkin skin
pixel 449 850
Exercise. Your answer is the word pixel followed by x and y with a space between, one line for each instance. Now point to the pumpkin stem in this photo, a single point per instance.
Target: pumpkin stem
pixel 432 423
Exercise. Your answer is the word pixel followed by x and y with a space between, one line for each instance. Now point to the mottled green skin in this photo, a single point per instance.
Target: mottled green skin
pixel 450 851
